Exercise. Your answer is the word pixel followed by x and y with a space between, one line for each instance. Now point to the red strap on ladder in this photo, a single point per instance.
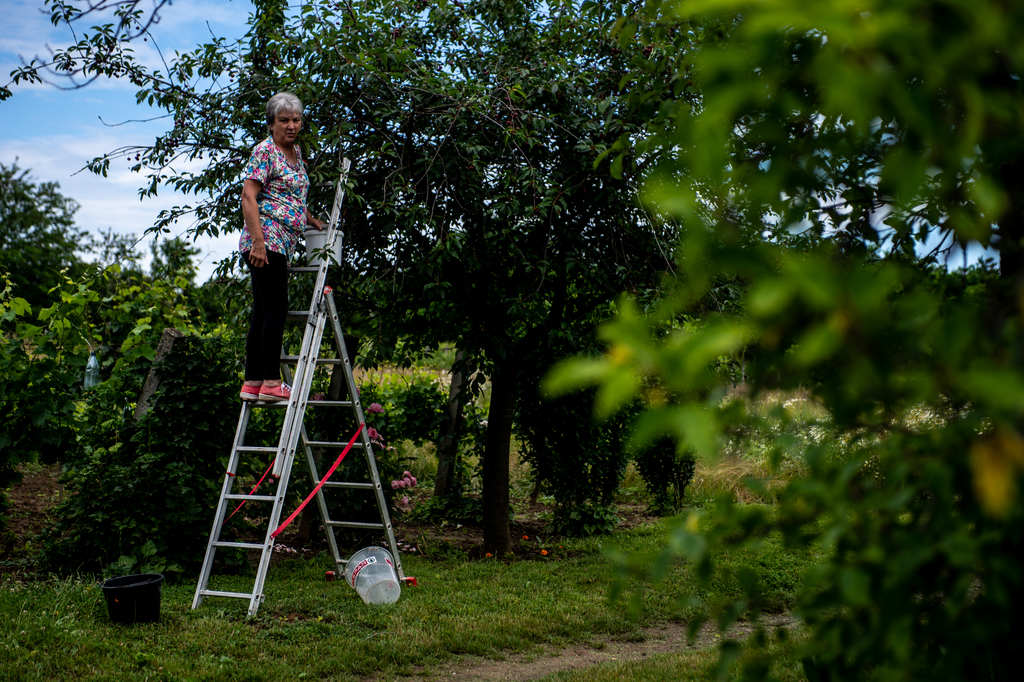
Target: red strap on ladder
pixel 255 488
pixel 330 471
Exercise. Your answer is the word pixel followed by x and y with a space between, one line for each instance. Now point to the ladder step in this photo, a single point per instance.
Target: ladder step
pixel 355 524
pixel 257 449
pixel 293 315
pixel 331 444
pixel 320 361
pixel 349 484
pixel 305 268
pixel 240 545
pixel 217 593
pixel 330 403
pixel 252 498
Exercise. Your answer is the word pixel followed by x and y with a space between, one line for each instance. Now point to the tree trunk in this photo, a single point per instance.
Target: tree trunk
pixel 447 444
pixel 497 538
pixel 165 346
pixel 1011 234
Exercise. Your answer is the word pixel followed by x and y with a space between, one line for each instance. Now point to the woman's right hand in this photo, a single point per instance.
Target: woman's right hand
pixel 258 255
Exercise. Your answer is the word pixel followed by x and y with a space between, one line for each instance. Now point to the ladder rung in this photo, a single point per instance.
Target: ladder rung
pixel 330 403
pixel 330 444
pixel 320 361
pixel 305 268
pixel 297 315
pixel 349 484
pixel 355 524
pixel 234 595
pixel 253 498
pixel 257 449
pixel 239 545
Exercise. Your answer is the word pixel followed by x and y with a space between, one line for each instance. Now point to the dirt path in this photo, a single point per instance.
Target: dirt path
pixel 663 639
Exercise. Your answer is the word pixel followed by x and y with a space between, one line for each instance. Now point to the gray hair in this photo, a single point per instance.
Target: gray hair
pixel 282 101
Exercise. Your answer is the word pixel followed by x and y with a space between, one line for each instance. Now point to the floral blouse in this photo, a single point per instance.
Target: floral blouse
pixel 282 201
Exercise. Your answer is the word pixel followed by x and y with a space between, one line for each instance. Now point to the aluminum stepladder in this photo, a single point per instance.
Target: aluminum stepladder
pixel 322 312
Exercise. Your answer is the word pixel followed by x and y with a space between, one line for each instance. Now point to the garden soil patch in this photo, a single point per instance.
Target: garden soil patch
pixel 31 501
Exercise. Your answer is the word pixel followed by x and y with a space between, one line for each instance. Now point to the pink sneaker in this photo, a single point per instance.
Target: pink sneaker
pixel 274 394
pixel 250 393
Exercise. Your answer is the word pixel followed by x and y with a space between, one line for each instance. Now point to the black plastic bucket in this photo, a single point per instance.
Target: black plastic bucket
pixel 133 598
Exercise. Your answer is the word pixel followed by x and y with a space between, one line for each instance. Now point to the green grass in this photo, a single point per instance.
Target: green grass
pixel 311 629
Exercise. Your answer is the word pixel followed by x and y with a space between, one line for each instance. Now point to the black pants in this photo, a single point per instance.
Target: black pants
pixel 266 326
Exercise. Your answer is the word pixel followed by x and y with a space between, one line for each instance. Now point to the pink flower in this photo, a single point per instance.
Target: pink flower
pixel 318 396
pixel 375 408
pixel 373 434
pixel 412 481
pixel 406 474
pixel 405 500
pixel 394 485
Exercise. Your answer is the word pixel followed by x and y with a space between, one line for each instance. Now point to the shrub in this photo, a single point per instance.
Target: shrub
pixel 155 480
pixel 413 407
pixel 467 511
pixel 666 473
pixel 38 386
pixel 578 460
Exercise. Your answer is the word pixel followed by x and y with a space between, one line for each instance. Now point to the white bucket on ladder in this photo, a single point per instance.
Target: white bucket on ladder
pixel 371 571
pixel 317 240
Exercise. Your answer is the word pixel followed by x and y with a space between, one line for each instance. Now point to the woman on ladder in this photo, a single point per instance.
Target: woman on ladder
pixel 275 213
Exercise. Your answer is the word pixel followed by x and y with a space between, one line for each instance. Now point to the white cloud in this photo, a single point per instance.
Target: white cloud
pixel 55 133
pixel 110 202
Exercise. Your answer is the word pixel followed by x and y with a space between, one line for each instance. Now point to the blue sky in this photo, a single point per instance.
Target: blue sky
pixel 54 132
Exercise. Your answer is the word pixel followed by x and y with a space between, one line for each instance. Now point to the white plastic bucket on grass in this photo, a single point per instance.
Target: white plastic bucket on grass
pixel 316 240
pixel 371 571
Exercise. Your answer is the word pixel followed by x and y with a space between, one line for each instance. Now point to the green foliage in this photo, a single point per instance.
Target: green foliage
pixel 481 212
pixel 584 520
pixel 793 121
pixel 413 405
pixel 809 147
pixel 666 473
pixel 920 518
pixel 450 509
pixel 38 237
pixel 149 562
pixel 578 460
pixel 38 380
pixel 154 480
pixel 119 313
pixel 135 308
